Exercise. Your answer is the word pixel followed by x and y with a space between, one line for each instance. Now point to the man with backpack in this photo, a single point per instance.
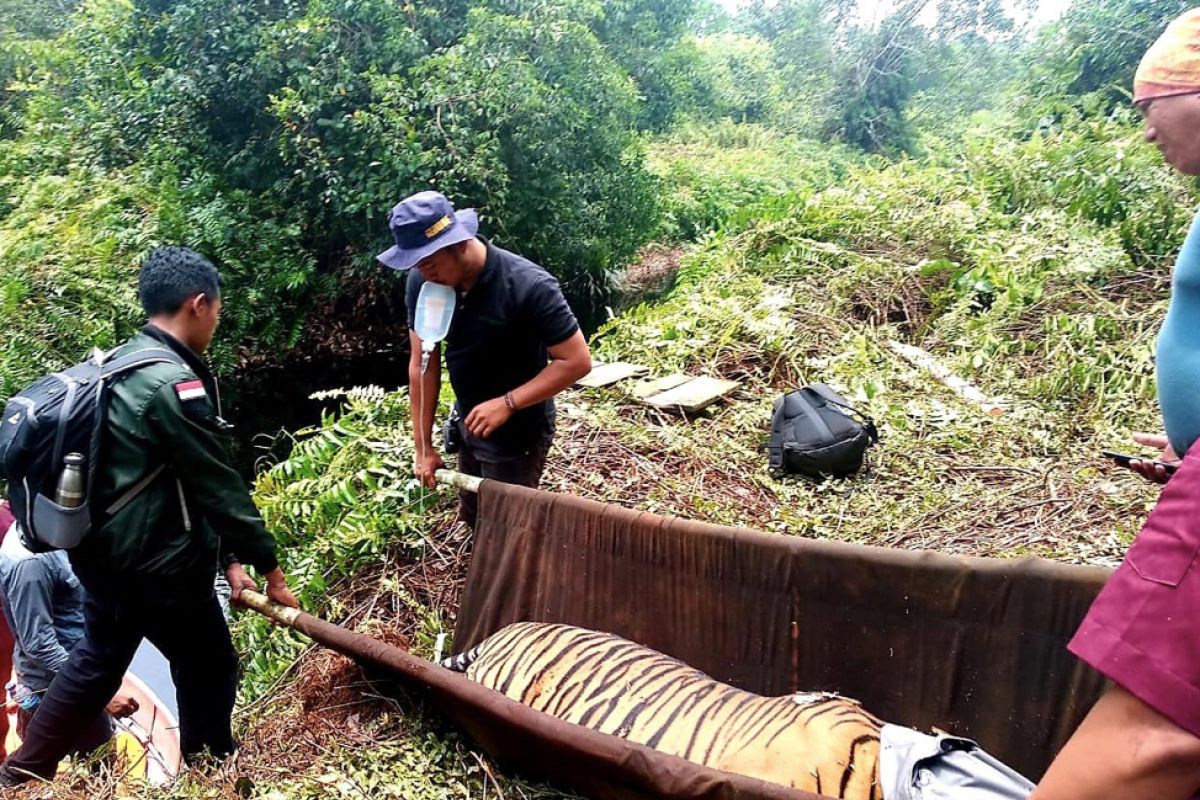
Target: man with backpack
pixel 166 509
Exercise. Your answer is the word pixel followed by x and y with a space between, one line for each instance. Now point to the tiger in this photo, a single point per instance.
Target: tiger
pixel 818 742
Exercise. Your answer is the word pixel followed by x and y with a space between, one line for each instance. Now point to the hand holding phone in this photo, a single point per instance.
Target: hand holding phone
pixel 1124 460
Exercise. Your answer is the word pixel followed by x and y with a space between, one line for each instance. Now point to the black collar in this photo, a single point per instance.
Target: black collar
pixel 195 362
pixel 491 265
pixel 493 258
pixel 186 353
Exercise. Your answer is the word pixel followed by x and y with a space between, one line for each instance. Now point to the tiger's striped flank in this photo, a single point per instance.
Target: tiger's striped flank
pixel 819 743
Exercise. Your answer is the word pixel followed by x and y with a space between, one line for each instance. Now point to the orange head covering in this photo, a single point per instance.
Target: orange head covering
pixel 1172 64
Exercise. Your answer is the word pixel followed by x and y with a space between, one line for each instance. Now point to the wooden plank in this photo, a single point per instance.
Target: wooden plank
pixel 693 395
pixel 644 389
pixel 608 374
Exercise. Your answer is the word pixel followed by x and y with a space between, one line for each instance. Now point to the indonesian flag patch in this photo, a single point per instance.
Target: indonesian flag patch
pixel 190 390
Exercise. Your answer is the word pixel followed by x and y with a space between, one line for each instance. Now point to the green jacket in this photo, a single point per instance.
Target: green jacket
pixel 164 430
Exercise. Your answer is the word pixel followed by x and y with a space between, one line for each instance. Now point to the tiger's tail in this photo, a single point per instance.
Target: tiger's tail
pixel 462 661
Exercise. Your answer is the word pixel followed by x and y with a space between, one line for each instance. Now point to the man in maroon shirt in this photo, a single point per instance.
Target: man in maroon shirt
pixel 1141 741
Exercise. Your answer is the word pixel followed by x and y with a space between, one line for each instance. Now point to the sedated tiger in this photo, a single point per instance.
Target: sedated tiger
pixel 820 743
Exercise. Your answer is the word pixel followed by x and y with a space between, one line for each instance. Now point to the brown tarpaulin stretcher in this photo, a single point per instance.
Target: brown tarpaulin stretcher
pixel 976 647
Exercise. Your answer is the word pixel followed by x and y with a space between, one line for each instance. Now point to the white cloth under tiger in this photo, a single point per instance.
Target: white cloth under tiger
pixel 917 766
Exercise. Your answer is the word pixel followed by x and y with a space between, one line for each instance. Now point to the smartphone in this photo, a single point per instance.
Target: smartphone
pixel 1124 460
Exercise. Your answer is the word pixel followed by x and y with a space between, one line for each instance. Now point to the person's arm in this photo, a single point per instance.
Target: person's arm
pixel 423 392
pixel 30 594
pixel 193 450
pixel 1124 749
pixel 570 360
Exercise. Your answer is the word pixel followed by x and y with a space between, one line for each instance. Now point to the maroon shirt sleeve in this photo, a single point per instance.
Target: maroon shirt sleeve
pixel 1143 631
pixel 6 518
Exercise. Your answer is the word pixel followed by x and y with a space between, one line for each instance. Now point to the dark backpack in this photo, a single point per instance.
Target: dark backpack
pixel 59 414
pixel 815 432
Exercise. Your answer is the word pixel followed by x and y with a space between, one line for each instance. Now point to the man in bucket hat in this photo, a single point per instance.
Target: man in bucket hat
pixel 513 345
pixel 1142 738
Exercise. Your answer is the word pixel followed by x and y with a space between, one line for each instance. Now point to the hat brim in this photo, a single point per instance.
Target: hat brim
pixel 403 259
pixel 1152 90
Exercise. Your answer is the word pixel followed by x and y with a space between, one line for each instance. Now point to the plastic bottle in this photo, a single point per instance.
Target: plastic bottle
pixel 23 696
pixel 435 309
pixel 72 483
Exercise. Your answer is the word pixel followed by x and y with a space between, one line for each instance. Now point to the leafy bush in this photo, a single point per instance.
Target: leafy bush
pixel 68 247
pixel 745 82
pixel 1097 169
pixel 275 137
pixel 717 175
pixel 1098 44
pixel 343 499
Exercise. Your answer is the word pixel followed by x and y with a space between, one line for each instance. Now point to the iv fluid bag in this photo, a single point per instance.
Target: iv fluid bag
pixel 435 309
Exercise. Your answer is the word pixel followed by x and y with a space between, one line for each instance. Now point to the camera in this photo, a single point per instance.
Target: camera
pixel 451 433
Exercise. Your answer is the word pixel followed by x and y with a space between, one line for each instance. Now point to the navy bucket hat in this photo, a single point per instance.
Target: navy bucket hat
pixel 423 224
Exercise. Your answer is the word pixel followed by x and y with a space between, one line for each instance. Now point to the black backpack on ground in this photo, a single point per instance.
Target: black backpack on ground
pixel 57 415
pixel 815 432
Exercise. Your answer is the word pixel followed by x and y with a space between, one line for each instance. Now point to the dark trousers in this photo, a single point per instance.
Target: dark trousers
pixel 189 629
pixel 94 734
pixel 523 470
pixel 6 657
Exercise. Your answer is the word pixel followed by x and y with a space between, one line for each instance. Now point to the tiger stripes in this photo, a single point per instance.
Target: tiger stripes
pixel 818 743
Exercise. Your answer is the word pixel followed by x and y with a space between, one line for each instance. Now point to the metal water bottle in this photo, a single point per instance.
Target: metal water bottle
pixel 72 483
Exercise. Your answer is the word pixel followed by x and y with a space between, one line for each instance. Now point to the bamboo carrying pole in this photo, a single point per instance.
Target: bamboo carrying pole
pixel 449 477
pixel 269 608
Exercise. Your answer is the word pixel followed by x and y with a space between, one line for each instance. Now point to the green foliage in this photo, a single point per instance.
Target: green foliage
pixel 539 92
pixel 745 83
pixel 425 763
pixel 875 89
pixel 68 245
pixel 276 136
pixel 850 75
pixel 961 77
pixel 342 500
pixel 644 37
pixel 35 19
pixel 1098 44
pixel 1098 169
pixel 719 175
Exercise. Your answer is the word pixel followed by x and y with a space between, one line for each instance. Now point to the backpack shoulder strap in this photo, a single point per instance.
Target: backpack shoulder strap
pixel 775 439
pixel 140 358
pixel 834 399
pixel 798 401
pixel 124 365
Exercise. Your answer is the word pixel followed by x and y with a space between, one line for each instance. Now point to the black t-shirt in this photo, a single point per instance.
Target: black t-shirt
pixel 498 341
